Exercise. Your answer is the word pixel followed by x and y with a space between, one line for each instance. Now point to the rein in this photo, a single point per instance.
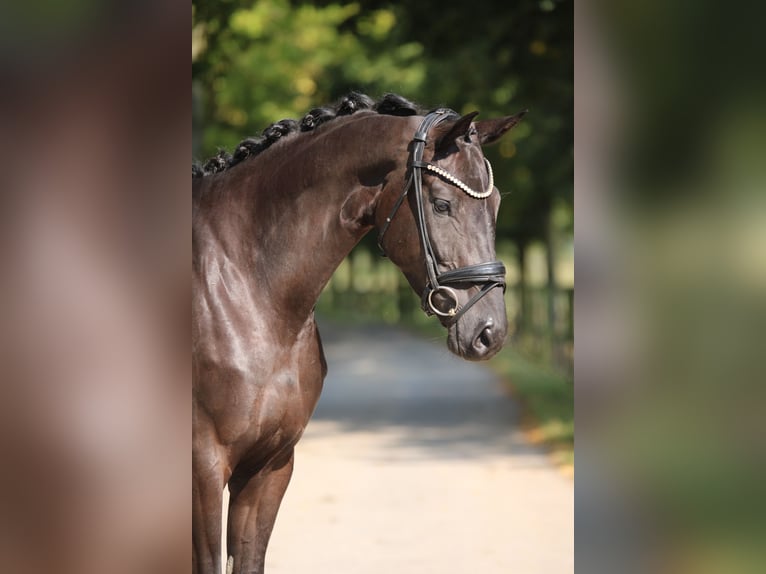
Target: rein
pixel 487 275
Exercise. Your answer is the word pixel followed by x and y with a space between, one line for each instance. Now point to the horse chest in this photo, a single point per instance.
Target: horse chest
pixel 268 409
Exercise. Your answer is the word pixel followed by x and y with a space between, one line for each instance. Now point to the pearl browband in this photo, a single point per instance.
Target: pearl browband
pixel 456 182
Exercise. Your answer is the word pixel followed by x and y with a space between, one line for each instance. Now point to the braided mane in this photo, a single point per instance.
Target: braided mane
pixel 389 104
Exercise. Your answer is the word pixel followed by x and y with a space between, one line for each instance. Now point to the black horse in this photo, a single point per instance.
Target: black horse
pixel 270 225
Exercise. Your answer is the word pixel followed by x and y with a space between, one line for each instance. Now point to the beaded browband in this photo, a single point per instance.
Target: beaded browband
pixel 457 183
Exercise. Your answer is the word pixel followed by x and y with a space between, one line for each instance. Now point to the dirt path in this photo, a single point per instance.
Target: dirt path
pixel 414 464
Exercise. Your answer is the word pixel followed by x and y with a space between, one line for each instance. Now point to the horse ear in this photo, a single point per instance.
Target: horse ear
pixel 492 130
pixel 446 134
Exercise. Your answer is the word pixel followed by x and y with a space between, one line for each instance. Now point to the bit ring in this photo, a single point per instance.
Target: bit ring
pixel 452 294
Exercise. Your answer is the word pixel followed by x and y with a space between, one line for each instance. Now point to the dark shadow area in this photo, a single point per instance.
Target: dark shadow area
pixel 384 379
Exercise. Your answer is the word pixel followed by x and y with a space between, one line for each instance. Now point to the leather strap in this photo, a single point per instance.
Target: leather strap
pixel 488 275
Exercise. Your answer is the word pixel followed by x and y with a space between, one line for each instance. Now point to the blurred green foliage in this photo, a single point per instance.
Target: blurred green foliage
pixel 671 300
pixel 276 60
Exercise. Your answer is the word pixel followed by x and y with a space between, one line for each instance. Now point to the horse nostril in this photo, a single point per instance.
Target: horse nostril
pixel 486 336
pixel 484 339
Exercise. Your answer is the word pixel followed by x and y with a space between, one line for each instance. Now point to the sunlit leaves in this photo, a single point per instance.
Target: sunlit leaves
pixel 278 60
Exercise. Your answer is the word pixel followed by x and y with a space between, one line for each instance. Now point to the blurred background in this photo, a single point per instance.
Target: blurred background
pixel 254 63
pixel 94 287
pixel 671 265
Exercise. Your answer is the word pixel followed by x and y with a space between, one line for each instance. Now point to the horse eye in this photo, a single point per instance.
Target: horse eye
pixel 441 206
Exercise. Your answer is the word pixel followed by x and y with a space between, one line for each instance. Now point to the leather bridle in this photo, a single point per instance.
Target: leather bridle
pixel 487 275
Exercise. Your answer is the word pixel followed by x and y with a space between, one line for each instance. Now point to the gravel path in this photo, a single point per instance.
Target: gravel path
pixel 414 464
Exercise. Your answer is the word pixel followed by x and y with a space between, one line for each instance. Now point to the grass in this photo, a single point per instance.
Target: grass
pixel 547 399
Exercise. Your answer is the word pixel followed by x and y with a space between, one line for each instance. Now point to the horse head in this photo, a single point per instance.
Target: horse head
pixel 450 204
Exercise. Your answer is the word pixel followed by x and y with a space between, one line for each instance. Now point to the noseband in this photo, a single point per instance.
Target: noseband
pixel 487 275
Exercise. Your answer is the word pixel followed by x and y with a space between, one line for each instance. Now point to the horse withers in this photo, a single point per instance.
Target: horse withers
pixel 270 224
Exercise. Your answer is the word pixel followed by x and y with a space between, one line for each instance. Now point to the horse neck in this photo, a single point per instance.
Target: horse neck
pixel 289 219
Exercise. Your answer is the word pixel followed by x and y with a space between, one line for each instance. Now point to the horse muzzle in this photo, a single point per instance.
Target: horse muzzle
pixel 481 332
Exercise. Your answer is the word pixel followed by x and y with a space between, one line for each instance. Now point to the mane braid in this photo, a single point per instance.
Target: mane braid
pixel 389 104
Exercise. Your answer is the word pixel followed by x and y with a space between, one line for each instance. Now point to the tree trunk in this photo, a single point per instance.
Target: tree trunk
pixel 521 254
pixel 550 260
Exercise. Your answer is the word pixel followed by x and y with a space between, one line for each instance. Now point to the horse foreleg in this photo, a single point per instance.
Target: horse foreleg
pixel 252 511
pixel 207 498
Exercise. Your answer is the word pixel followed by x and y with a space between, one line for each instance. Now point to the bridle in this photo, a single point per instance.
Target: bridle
pixel 487 275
